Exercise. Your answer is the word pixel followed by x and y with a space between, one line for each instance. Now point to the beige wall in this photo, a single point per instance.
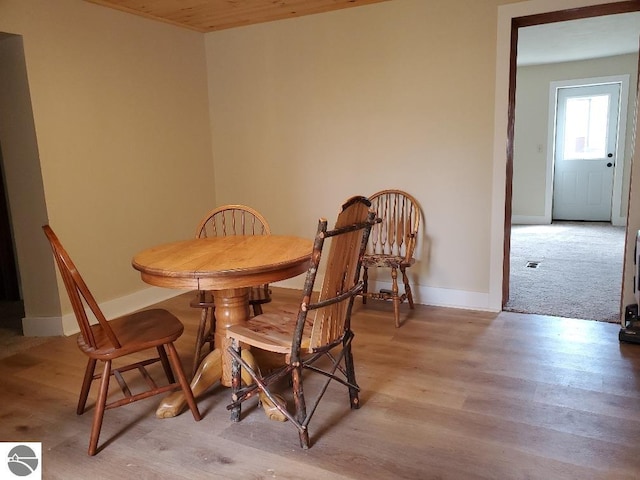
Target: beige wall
pixel 394 95
pixel 121 118
pixel 531 128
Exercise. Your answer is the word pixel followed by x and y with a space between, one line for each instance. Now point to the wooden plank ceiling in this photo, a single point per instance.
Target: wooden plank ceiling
pixel 209 15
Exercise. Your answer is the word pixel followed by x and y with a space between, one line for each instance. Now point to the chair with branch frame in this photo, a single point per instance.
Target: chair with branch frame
pixel 319 331
pixel 109 341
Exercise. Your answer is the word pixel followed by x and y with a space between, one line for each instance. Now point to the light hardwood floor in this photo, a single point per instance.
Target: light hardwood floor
pixel 452 394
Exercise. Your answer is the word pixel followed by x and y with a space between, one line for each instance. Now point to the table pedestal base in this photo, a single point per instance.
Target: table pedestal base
pixel 210 372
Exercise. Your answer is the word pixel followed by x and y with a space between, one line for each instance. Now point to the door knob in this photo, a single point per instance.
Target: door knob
pixel 609 155
pixel 609 164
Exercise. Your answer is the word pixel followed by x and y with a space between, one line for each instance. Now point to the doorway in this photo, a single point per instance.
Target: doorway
pixel 9 285
pixel 11 305
pixel 519 23
pixel 24 189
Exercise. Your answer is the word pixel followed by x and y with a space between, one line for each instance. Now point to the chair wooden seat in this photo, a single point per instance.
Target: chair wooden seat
pixel 135 332
pixel 315 336
pixel 148 334
pixel 388 261
pixel 391 245
pixel 271 332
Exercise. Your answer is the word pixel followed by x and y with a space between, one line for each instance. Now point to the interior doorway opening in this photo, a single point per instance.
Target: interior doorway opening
pixel 512 216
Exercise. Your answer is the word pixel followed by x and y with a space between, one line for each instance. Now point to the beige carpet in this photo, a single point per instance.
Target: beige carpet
pixel 578 274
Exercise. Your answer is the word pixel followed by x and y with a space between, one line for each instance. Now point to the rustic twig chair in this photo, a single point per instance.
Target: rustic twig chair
pixel 391 245
pixel 112 340
pixel 223 221
pixel 318 330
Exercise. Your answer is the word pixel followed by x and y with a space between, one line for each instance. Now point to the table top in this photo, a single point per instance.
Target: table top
pixel 217 263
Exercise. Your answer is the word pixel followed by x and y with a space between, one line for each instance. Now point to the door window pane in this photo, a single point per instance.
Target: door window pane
pixel 585 133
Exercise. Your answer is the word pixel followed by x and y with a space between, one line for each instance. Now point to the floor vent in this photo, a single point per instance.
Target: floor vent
pixel 532 264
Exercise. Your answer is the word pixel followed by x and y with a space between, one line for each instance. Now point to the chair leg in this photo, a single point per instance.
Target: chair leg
pixel 395 296
pixel 182 379
pixel 101 403
pixel 257 309
pixel 200 340
pixel 365 284
pixel 407 287
pixel 86 385
pixel 354 397
pixel 236 381
pixel 210 332
pixel 162 353
pixel 301 407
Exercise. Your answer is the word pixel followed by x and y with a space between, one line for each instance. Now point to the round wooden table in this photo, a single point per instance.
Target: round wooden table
pixel 227 266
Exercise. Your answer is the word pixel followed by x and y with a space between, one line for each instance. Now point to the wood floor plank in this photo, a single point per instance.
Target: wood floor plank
pixel 559 418
pixel 451 394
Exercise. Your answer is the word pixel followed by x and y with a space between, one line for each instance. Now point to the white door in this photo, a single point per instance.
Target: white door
pixel 585 151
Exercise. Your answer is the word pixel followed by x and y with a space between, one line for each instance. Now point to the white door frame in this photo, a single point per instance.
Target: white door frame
pixel 616 200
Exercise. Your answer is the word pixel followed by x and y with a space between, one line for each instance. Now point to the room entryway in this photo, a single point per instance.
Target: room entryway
pixel 11 305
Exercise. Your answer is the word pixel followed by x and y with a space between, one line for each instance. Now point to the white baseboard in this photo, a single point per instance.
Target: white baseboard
pixel 619 221
pixel 530 220
pixel 445 297
pixel 437 297
pixel 542 220
pixel 67 325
